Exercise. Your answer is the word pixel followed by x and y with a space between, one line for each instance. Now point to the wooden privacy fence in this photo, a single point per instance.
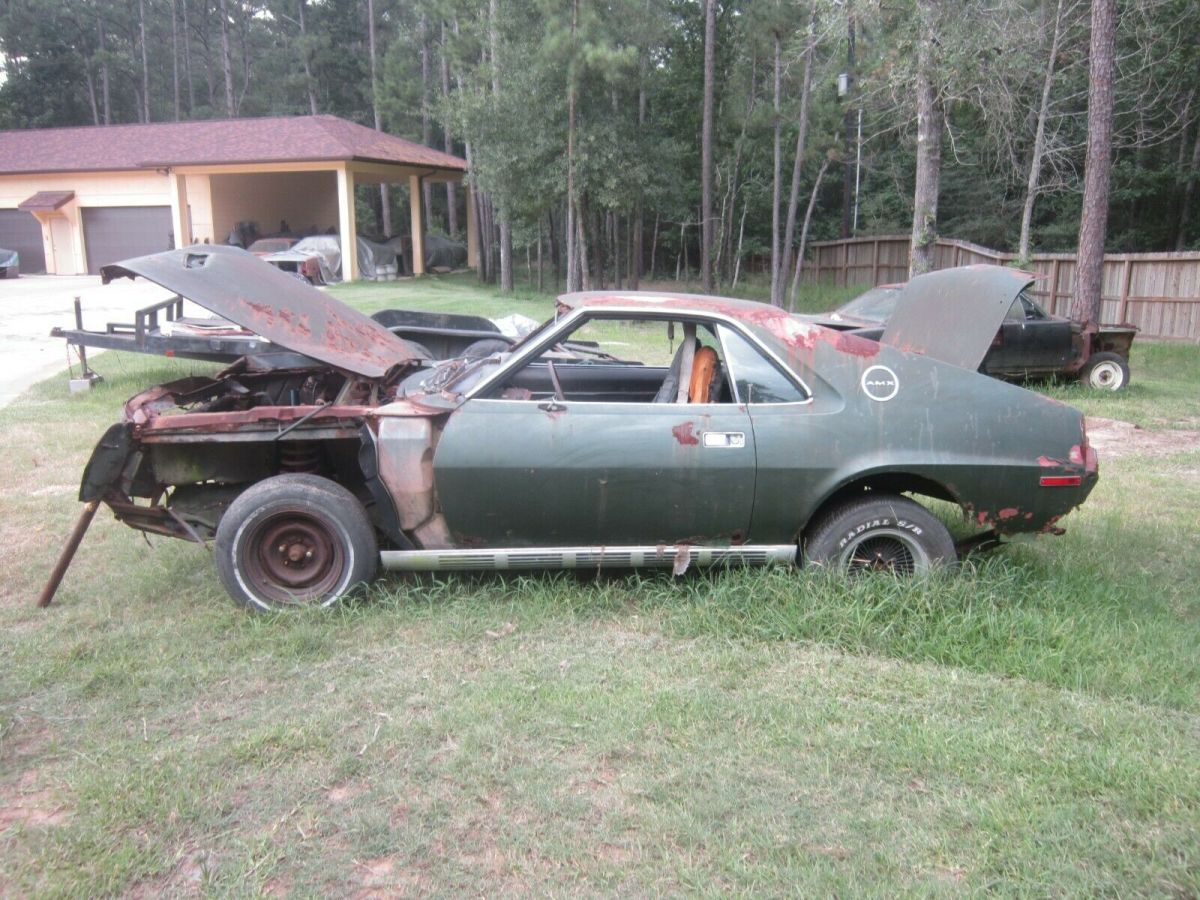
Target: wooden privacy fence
pixel 1157 292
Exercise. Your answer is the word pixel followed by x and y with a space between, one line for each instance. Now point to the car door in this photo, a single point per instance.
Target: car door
pixel 1029 341
pixel 517 467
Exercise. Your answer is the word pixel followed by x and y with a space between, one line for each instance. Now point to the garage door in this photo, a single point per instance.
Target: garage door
pixel 20 231
pixel 113 233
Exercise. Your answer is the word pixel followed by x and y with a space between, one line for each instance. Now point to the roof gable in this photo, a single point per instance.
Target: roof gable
pixel 210 142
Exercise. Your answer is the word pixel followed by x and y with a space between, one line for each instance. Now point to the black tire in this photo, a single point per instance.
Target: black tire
pixel 292 541
pixel 485 347
pixel 1105 371
pixel 880 533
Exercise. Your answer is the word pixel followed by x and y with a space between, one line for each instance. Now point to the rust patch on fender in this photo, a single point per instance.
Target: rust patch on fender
pixel 684 434
pixel 1009 512
pixel 683 558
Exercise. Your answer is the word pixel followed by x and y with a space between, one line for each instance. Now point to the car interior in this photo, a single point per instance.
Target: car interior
pixel 609 360
pixel 627 361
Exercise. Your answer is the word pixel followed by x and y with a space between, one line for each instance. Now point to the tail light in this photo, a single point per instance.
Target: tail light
pixel 1082 454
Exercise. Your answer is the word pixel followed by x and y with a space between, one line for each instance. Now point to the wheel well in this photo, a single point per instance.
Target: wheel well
pixel 881 483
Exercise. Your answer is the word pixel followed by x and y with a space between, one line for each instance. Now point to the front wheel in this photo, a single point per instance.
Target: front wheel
pixel 884 533
pixel 1105 371
pixel 294 540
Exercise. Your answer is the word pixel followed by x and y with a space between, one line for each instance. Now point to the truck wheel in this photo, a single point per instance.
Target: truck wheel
pixel 883 533
pixel 1105 371
pixel 294 540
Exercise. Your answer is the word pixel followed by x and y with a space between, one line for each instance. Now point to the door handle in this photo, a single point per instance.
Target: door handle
pixel 552 406
pixel 731 440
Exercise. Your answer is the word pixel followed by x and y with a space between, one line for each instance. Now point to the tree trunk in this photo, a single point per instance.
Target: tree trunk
pixel 789 233
pixel 91 90
pixel 309 84
pixel 105 92
pixel 929 146
pixel 616 253
pixel 706 139
pixel 739 152
pixel 574 281
pixel 737 262
pixel 1039 140
pixel 226 58
pixel 1097 175
pixel 585 279
pixel 187 60
pixel 555 247
pixel 426 118
pixel 448 144
pixel 506 246
pixel 1189 194
pixel 637 257
pixel 145 61
pixel 244 33
pixel 175 55
pixel 385 192
pixel 653 246
pixel 210 80
pixel 596 238
pixel 812 202
pixel 848 122
pixel 776 292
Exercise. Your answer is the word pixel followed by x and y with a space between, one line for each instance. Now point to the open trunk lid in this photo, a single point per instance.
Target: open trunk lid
pixel 953 314
pixel 239 287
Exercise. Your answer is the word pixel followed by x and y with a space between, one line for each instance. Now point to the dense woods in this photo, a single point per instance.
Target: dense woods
pixel 690 138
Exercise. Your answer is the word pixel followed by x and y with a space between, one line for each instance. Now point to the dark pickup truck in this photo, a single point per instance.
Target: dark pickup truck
pixel 1031 343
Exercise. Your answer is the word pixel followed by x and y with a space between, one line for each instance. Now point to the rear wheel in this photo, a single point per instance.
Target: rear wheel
pixel 294 540
pixel 1105 371
pixel 885 533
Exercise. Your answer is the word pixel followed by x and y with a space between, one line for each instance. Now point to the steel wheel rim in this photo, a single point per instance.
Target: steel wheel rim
pixel 885 550
pixel 1106 375
pixel 292 557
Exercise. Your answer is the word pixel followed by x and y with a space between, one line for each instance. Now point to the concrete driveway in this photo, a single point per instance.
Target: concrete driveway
pixel 32 304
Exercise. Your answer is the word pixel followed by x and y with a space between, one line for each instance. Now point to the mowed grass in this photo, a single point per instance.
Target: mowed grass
pixel 1029 725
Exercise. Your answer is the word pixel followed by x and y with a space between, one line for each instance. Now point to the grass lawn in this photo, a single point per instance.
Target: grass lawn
pixel 1029 725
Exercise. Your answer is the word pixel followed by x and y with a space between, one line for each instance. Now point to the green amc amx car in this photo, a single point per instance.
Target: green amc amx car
pixel 632 429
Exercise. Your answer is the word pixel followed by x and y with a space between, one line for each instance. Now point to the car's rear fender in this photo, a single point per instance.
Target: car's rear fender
pixel 1113 339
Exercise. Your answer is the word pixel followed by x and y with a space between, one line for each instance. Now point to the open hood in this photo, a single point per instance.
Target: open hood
pixel 954 314
pixel 239 287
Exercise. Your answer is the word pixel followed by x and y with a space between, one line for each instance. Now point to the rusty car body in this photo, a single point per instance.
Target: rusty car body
pixel 755 437
pixel 1029 342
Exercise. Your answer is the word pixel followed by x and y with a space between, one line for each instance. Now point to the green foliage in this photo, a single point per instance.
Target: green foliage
pixel 636 67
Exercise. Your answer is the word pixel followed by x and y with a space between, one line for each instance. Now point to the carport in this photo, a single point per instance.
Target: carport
pixel 98 194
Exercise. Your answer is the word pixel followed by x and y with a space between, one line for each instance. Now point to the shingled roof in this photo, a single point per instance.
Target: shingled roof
pixel 108 148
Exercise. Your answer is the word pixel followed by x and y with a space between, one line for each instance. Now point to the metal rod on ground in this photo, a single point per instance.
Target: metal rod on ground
pixel 82 350
pixel 60 568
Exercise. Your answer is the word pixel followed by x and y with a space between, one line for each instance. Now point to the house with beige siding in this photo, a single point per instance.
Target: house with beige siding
pixel 74 199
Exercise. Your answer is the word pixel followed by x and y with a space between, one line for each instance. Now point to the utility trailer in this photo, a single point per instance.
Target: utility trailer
pixel 162 329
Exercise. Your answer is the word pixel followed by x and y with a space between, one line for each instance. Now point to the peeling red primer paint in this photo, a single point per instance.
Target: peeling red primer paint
pixel 684 433
pixel 982 517
pixel 1049 462
pixel 1009 512
pixel 851 343
pixel 781 324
